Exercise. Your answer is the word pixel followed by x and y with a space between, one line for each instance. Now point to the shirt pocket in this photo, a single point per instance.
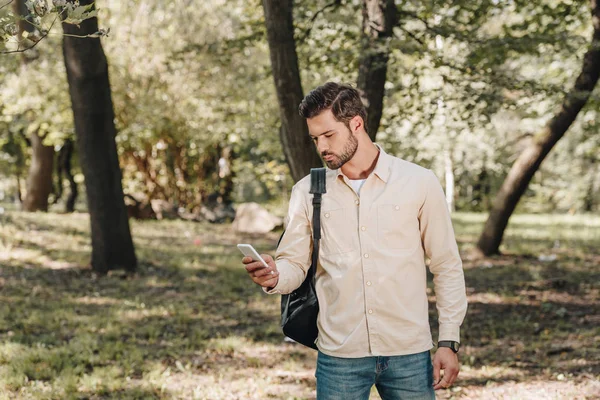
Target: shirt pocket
pixel 336 237
pixel 398 226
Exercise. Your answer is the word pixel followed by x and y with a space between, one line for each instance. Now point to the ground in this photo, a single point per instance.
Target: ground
pixel 191 325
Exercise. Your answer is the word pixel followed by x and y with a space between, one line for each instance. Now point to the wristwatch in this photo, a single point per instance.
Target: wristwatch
pixel 454 346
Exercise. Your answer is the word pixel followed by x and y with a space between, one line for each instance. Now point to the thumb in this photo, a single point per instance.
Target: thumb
pixel 436 370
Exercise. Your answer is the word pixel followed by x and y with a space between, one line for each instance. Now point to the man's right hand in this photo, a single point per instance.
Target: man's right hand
pixel 265 277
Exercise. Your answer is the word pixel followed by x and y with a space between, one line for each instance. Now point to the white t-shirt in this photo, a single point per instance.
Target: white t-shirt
pixel 356 184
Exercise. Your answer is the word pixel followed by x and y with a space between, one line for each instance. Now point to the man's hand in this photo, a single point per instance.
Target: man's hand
pixel 447 360
pixel 265 277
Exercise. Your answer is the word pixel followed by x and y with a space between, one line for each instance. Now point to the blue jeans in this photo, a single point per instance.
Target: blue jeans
pixel 398 377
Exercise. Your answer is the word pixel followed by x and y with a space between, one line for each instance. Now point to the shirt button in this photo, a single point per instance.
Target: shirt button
pixel 369 283
pixel 363 228
pixel 326 215
pixel 397 207
pixel 366 255
pixel 357 202
pixel 370 311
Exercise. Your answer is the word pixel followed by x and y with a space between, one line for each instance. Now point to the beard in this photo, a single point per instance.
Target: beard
pixel 346 155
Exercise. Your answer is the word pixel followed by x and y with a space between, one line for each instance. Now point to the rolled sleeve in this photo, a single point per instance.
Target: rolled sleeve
pixel 439 243
pixel 293 253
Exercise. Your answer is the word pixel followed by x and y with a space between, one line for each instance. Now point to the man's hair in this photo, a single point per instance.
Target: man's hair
pixel 343 100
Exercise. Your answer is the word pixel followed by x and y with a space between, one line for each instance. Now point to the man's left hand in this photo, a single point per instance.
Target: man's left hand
pixel 444 359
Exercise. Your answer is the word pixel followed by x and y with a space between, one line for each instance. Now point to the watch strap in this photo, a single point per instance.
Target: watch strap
pixel 454 346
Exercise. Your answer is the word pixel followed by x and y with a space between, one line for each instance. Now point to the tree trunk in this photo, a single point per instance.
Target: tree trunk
pixel 18 165
pixel 299 151
pixel 58 190
pixel 39 180
pixel 40 171
pixel 379 19
pixel 65 156
pixel 19 194
pixel 530 159
pixel 89 88
pixel 24 25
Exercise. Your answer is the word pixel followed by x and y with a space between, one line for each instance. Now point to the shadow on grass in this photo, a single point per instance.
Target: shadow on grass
pixel 194 310
pixel 125 394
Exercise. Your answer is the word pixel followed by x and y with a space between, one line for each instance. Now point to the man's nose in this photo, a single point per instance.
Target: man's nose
pixel 322 146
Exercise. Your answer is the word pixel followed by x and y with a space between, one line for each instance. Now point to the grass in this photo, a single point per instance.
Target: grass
pixel 190 324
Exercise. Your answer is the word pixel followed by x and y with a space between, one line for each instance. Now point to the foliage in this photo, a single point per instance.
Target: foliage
pixel 211 87
pixel 473 80
pixel 43 17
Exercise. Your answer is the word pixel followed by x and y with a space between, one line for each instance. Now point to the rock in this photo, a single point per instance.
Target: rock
pixel 190 216
pixel 218 214
pixel 252 218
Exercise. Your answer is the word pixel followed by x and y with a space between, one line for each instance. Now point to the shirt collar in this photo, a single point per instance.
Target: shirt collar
pixel 382 168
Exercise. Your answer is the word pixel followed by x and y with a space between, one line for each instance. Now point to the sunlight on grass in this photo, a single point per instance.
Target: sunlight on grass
pixel 190 324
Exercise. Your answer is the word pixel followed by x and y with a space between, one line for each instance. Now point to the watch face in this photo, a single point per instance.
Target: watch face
pixel 455 347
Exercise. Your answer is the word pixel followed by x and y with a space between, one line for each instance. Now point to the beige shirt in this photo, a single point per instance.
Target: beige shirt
pixel 371 277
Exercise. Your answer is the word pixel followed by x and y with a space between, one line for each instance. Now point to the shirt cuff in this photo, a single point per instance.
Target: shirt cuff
pixel 449 332
pixel 271 290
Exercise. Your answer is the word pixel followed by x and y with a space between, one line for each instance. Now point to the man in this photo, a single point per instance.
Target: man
pixel 380 217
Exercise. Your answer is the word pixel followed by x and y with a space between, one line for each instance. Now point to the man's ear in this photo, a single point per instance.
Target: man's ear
pixel 356 123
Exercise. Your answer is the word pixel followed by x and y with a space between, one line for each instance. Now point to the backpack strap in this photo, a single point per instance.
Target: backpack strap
pixel 317 188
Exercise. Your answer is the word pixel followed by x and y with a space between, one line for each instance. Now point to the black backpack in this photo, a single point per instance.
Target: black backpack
pixel 300 308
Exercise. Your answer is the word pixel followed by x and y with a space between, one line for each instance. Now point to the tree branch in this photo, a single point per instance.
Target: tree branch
pixel 7 4
pixel 34 43
pixel 412 35
pixel 334 3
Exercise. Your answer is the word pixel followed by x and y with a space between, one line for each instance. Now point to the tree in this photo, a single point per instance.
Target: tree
pixel 89 89
pixel 531 158
pixel 64 167
pixel 299 150
pixel 379 19
pixel 39 179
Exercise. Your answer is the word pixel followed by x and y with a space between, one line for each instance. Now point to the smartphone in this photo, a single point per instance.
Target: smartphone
pixel 251 252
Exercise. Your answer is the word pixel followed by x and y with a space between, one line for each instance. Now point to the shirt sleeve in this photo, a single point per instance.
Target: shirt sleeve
pixel 293 256
pixel 439 243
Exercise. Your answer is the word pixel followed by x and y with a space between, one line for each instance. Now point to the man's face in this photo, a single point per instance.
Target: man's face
pixel 335 143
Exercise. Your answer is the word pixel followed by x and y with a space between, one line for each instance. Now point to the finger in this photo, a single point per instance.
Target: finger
pixel 268 259
pixel 254 266
pixel 266 281
pixel 453 377
pixel 263 272
pixel 436 372
pixel 443 384
pixel 247 260
pixel 448 379
pixel 270 283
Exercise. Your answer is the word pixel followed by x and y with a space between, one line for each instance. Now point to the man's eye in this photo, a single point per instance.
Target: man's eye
pixel 328 136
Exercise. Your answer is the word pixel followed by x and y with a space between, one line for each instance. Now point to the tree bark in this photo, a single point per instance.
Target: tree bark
pixel 24 25
pixel 379 19
pixel 89 88
pixel 39 180
pixel 531 158
pixel 64 159
pixel 299 151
